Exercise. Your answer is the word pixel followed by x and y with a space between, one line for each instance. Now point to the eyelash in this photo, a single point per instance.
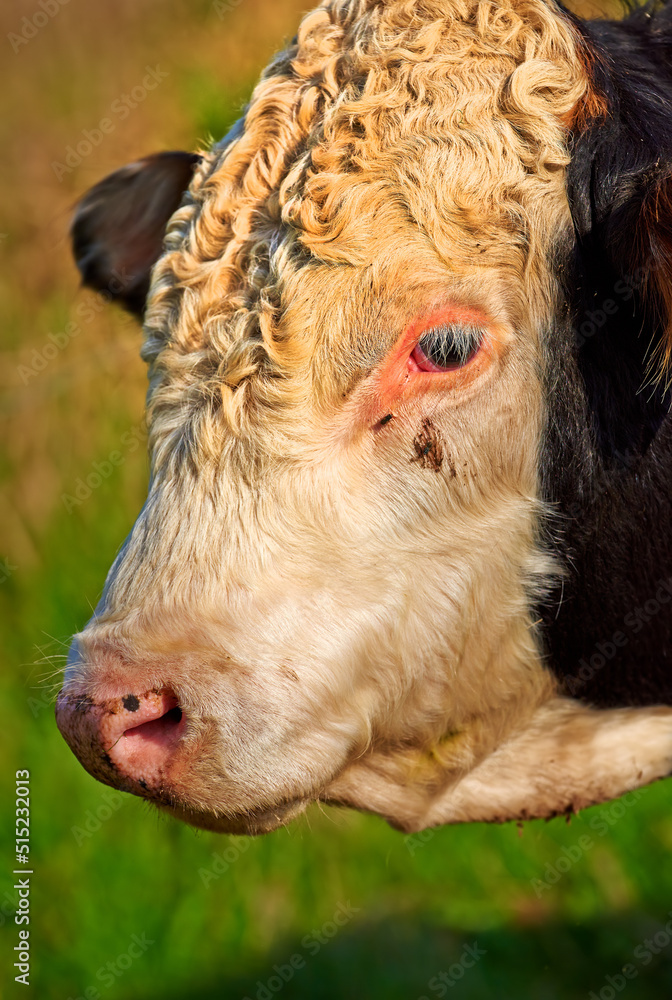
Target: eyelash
pixel 447 348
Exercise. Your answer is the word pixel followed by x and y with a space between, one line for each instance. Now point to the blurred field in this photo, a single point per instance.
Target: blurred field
pixel 556 909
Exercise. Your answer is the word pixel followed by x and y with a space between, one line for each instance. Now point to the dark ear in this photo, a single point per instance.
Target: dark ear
pixel 118 229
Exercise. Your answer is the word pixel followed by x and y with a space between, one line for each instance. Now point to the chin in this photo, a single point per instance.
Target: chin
pixel 244 824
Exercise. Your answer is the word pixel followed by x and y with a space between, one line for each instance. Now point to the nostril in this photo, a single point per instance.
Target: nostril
pixel 161 731
pixel 132 740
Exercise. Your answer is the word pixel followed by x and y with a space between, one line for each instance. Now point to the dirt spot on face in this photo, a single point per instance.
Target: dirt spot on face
pixel 382 422
pixel 428 447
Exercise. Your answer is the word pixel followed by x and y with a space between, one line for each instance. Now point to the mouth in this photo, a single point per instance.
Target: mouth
pixel 141 744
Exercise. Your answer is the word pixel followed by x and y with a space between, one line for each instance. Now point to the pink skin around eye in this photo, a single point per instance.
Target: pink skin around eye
pixel 404 374
pixel 400 382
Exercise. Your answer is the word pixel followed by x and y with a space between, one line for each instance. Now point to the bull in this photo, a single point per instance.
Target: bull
pixel 406 546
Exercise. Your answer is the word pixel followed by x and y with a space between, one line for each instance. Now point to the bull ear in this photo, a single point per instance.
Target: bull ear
pixel 118 229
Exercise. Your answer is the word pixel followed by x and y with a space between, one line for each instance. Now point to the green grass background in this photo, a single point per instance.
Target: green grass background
pixel 415 904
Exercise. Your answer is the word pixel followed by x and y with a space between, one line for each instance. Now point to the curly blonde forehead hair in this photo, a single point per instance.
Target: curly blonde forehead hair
pixel 447 116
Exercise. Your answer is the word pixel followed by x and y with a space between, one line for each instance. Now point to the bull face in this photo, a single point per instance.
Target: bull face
pixel 332 590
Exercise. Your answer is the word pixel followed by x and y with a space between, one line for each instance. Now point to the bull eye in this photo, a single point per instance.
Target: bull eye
pixel 447 347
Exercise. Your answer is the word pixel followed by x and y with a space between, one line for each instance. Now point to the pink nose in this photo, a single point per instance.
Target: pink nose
pixel 127 741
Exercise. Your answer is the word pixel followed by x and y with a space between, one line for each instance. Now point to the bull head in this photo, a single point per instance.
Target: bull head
pixel 408 494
